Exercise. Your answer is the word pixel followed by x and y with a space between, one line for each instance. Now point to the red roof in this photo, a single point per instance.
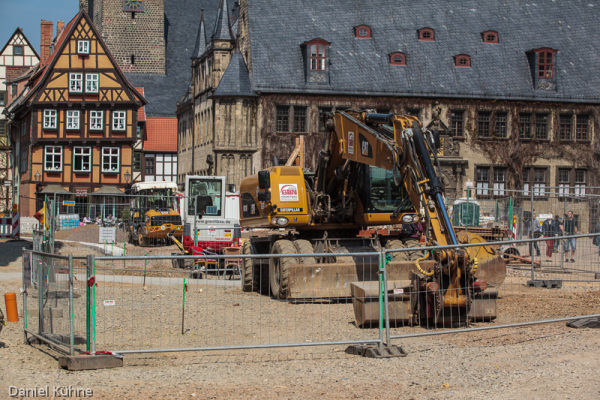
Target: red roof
pixel 142 110
pixel 161 134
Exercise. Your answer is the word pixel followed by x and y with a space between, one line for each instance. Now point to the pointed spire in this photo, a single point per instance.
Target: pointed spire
pixel 222 29
pixel 200 39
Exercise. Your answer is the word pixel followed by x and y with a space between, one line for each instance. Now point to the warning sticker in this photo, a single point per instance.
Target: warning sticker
pixel 398 291
pixel 351 142
pixel 109 303
pixel 288 192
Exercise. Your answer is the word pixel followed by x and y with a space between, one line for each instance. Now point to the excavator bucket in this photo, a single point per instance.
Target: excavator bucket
pixel 491 266
pixel 333 280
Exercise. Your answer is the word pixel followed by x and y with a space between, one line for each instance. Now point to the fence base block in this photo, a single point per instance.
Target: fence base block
pixel 585 323
pixel 376 352
pixel 547 283
pixel 84 362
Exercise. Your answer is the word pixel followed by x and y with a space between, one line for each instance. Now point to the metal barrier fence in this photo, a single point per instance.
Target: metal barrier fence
pixel 486 209
pixel 149 304
pixel 147 220
pixel 54 300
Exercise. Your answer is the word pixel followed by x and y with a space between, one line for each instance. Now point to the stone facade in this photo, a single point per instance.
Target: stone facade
pixel 218 135
pixel 497 146
pixel 136 40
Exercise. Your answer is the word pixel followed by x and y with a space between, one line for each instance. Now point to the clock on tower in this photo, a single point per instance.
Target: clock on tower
pixel 133 5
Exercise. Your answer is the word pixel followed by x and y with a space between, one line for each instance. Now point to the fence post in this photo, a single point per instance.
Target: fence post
pixel 533 237
pixel 381 299
pixel 40 295
pixel 88 303
pixel 72 316
pixel 387 306
pixel 23 251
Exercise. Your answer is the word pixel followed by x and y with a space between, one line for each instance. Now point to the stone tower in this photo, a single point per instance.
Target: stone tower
pixel 134 31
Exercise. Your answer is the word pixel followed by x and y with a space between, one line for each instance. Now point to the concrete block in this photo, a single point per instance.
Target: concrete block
pixel 87 361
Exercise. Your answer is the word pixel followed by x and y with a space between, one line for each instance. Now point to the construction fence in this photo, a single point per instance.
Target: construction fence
pixel 509 214
pixel 142 220
pixel 150 304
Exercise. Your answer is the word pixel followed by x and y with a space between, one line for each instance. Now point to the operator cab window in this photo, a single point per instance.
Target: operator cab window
pixel 208 194
pixel 382 195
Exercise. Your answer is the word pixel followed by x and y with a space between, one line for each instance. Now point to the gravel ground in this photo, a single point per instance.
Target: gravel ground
pixel 548 361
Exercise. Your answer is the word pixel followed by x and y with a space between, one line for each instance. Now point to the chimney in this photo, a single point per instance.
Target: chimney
pixel 46 30
pixel 60 25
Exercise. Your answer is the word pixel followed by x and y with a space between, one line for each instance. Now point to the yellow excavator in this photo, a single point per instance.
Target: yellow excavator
pixel 375 170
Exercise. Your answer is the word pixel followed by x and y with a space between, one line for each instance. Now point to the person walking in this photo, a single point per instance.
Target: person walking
pixel 570 228
pixel 548 233
pixel 596 239
pixel 534 231
pixel 557 230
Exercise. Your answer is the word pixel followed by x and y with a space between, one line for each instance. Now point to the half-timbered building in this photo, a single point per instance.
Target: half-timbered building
pixel 74 125
pixel 16 58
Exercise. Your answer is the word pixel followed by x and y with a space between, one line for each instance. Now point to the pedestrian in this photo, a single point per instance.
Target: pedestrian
pixel 596 239
pixel 548 233
pixel 557 230
pixel 534 231
pixel 570 229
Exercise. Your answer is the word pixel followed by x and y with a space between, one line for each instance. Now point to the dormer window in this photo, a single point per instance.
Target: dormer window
pixel 318 55
pixel 426 34
pixel 315 55
pixel 397 58
pixel 362 32
pixel 462 60
pixel 546 63
pixel 542 62
pixel 490 37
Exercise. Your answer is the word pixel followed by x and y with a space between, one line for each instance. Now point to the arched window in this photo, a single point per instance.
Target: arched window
pixel 426 34
pixel 462 60
pixel 490 37
pixel 397 58
pixel 362 32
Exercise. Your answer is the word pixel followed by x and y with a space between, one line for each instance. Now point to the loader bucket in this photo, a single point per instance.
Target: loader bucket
pixel 333 280
pixel 491 266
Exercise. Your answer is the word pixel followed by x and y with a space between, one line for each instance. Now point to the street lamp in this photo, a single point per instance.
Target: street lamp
pixel 37 177
pixel 127 176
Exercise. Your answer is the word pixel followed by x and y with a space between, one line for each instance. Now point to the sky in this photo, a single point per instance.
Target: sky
pixel 27 14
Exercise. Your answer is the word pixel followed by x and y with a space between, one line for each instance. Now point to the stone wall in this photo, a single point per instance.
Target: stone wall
pixel 137 43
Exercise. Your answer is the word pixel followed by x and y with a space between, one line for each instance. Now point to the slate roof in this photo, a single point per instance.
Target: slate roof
pixel 222 29
pixel 361 66
pixel 201 42
pixel 236 79
pixel 181 23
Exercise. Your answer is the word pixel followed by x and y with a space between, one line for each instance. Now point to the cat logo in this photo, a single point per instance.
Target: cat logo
pixel 365 148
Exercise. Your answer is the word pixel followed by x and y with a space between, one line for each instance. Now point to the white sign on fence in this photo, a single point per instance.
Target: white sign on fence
pixel 107 235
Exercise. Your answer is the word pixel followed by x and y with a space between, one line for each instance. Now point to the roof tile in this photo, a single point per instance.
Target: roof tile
pixel 161 134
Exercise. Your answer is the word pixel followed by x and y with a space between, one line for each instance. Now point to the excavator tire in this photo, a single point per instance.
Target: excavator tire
pixel 416 253
pixel 399 255
pixel 410 255
pixel 341 259
pixel 250 277
pixel 304 247
pixel 140 236
pixel 279 268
